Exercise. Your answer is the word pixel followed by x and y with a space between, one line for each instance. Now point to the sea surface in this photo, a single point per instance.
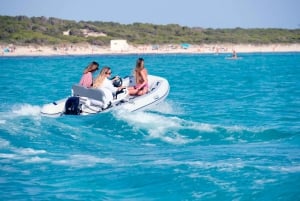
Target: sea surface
pixel 229 130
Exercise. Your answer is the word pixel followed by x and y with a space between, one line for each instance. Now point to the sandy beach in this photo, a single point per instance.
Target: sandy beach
pixel 86 49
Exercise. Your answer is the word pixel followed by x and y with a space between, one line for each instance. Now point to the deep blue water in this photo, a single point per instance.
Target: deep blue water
pixel 229 130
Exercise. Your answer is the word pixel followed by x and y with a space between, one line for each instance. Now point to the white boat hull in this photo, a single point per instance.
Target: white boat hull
pixel 90 103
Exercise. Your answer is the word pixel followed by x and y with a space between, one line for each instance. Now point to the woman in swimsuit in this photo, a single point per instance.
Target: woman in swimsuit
pixel 141 79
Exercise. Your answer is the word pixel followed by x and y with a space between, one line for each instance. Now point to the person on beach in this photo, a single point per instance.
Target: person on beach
pixel 234 54
pixel 87 77
pixel 141 79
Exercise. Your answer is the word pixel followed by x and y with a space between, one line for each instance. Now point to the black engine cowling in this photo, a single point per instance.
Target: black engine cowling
pixel 72 106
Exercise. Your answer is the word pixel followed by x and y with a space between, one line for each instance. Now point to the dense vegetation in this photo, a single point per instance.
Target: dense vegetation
pixel 42 30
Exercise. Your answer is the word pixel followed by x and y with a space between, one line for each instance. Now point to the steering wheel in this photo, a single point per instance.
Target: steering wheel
pixel 117 81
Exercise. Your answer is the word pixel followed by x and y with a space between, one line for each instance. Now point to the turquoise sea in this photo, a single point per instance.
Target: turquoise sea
pixel 229 130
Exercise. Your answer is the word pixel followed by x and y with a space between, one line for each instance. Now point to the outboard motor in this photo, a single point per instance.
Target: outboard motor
pixel 72 106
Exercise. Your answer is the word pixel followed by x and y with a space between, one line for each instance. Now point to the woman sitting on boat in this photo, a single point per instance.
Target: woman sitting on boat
pixel 87 77
pixel 141 79
pixel 102 81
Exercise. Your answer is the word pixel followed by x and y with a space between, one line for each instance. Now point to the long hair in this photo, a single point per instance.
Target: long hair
pixel 100 78
pixel 93 66
pixel 138 67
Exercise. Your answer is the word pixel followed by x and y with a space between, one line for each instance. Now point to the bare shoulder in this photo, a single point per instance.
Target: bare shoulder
pixel 144 71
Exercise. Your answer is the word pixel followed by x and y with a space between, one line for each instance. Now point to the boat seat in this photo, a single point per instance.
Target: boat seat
pixel 95 94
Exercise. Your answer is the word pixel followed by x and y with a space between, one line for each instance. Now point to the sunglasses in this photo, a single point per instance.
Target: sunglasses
pixel 108 73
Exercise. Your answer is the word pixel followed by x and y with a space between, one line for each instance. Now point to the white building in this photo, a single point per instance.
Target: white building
pixel 66 33
pixel 119 45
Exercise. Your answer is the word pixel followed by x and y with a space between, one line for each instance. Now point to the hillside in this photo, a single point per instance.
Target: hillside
pixel 22 30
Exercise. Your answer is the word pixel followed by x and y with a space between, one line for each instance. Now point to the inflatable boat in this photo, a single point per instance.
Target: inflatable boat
pixel 86 101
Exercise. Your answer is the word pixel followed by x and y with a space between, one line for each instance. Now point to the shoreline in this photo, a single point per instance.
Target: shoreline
pixel 86 49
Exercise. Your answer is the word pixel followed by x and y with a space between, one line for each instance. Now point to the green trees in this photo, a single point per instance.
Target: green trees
pixel 42 30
